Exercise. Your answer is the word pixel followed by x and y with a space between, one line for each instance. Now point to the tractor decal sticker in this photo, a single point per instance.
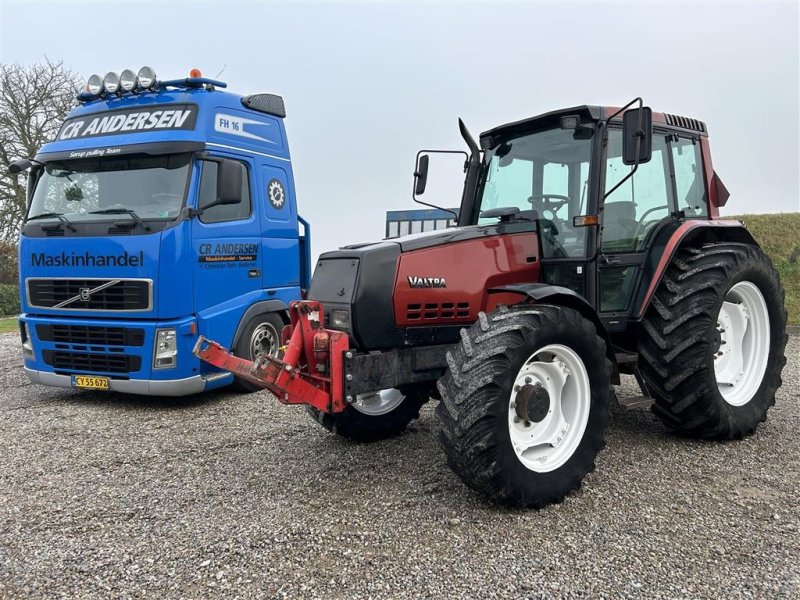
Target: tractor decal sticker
pixel 276 194
pixel 426 282
pixel 227 254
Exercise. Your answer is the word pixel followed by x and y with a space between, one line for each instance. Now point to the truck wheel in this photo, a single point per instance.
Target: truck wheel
pixel 375 416
pixel 713 340
pixel 525 404
pixel 260 336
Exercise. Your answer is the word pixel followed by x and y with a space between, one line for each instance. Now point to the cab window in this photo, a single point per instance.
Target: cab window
pixel 689 181
pixel 208 193
pixel 632 211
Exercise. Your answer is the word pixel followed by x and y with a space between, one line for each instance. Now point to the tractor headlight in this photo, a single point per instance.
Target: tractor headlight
pixel 165 352
pixel 340 319
pixel 27 342
pixel 146 77
pixel 111 82
pixel 94 85
pixel 127 80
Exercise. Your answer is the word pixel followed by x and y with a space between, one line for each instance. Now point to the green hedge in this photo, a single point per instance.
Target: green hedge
pixel 9 300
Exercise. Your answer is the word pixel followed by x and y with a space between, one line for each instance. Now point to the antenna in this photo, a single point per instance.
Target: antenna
pixel 221 71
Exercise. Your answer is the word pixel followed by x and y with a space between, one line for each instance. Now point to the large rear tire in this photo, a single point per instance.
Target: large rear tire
pixel 713 341
pixel 377 416
pixel 525 404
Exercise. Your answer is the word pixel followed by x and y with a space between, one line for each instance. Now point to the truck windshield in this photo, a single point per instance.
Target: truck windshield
pixel 152 186
pixel 545 175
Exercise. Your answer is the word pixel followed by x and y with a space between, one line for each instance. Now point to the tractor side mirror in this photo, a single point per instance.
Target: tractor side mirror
pixel 637 135
pixel 421 174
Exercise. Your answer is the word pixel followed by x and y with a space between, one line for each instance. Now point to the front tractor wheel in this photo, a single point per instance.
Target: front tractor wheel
pixel 525 404
pixel 377 415
pixel 713 341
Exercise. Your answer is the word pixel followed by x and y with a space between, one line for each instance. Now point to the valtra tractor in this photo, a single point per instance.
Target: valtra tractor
pixel 588 244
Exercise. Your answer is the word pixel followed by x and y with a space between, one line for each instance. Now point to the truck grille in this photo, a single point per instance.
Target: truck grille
pixel 91 294
pixel 90 336
pixel 91 363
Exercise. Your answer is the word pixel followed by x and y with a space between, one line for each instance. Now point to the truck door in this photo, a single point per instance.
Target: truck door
pixel 226 240
pixel 279 225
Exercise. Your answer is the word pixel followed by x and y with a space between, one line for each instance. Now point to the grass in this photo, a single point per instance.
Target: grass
pixel 9 324
pixel 779 236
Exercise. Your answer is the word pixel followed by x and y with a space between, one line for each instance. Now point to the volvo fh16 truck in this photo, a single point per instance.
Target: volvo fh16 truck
pixel 162 211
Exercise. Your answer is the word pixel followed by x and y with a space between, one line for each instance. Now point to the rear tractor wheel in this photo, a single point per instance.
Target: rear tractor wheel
pixel 713 341
pixel 525 404
pixel 377 415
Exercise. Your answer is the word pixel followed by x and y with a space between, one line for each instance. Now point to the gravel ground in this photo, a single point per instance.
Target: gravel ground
pixel 237 496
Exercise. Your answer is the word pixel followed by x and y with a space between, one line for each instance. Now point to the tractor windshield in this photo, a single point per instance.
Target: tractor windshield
pixel 546 176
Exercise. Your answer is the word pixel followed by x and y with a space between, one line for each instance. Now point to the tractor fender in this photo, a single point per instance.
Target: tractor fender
pixel 260 308
pixel 545 293
pixel 669 239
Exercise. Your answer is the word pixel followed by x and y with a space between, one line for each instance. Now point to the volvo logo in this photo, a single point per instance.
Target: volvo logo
pixel 426 282
pixel 85 294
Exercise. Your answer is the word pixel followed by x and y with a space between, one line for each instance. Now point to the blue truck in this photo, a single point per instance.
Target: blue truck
pixel 162 211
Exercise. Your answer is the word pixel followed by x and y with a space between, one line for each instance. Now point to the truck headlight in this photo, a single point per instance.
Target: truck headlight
pixel 165 352
pixel 340 319
pixel 27 342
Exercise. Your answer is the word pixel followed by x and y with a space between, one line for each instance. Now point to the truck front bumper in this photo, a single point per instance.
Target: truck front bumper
pixel 145 387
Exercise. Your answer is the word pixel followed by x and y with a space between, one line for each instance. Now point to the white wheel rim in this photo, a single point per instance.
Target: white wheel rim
pixel 743 328
pixel 546 445
pixel 378 403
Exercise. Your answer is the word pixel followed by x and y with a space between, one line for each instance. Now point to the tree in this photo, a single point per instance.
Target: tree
pixel 33 102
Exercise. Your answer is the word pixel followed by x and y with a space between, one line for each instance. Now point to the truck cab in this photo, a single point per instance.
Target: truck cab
pixel 157 215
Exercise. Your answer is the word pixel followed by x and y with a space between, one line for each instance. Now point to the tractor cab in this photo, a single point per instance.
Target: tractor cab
pixel 596 203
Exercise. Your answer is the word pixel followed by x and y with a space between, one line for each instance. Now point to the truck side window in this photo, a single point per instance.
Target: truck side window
pixel 689 180
pixel 208 193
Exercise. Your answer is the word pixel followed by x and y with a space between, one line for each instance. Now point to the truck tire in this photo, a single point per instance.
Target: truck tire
pixel 376 416
pixel 260 335
pixel 713 341
pixel 525 404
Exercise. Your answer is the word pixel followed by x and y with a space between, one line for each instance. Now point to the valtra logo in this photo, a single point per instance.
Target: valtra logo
pixel 426 282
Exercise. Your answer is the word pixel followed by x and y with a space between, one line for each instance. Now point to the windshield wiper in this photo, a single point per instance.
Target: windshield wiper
pixel 53 215
pixel 122 211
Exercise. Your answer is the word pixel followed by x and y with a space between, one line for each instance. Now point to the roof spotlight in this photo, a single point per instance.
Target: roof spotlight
pixel 94 85
pixel 146 77
pixel 111 82
pixel 127 80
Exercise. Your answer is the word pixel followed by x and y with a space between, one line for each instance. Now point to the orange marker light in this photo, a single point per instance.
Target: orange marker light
pixel 195 73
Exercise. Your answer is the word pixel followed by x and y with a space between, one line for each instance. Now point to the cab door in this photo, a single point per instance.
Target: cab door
pixel 630 217
pixel 225 239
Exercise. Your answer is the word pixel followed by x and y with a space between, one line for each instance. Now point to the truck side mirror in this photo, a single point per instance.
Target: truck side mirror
pixel 229 182
pixel 421 174
pixel 637 135
pixel 19 165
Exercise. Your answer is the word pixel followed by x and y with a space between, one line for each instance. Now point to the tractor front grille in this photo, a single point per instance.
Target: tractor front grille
pixel 91 294
pixel 90 335
pixel 91 363
pixel 433 311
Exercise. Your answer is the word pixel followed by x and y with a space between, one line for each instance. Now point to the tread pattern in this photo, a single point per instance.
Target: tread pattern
pixel 675 352
pixel 474 405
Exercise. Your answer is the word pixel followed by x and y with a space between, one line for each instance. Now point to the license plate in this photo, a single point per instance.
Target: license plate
pixel 90 382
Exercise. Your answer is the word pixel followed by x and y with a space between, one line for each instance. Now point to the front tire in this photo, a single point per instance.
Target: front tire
pixel 525 404
pixel 375 416
pixel 713 341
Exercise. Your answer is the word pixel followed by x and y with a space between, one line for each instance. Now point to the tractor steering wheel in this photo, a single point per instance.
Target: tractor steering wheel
pixel 550 205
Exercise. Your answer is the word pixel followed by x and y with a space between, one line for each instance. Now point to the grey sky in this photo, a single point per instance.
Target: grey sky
pixel 367 85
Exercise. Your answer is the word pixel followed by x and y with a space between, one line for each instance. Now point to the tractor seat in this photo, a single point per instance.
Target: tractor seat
pixel 619 223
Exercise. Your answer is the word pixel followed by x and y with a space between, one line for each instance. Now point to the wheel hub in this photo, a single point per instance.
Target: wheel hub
pixel 532 403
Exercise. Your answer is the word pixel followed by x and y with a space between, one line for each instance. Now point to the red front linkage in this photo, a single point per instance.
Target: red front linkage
pixel 311 371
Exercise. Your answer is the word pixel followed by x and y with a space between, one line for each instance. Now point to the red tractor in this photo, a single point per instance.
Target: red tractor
pixel 588 244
